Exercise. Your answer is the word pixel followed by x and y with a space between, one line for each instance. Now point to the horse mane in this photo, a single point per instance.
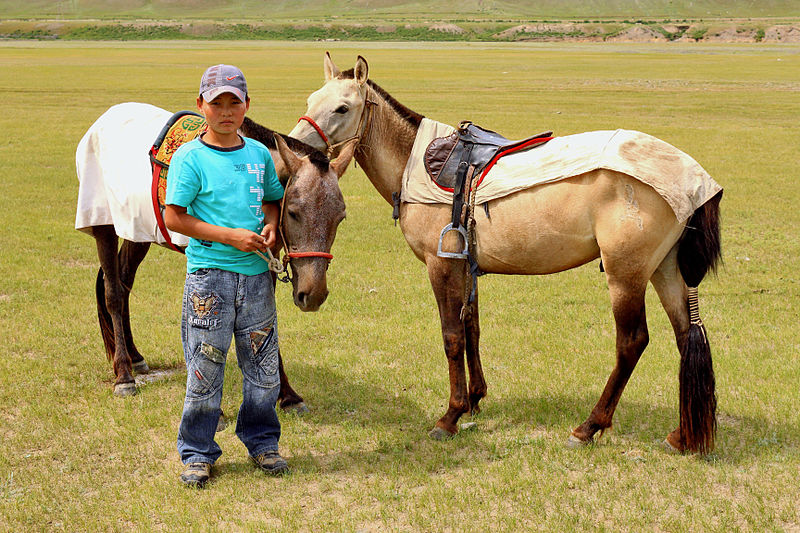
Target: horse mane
pixel 266 137
pixel 412 117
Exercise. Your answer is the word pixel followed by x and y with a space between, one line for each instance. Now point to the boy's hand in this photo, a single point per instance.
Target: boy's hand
pixel 270 234
pixel 272 217
pixel 247 241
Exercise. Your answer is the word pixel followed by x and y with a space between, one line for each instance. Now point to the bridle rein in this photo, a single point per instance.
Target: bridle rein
pixel 281 267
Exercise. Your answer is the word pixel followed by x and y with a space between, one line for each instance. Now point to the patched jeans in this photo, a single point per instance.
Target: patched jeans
pixel 218 305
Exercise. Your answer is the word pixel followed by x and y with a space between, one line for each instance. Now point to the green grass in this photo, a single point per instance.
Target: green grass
pixel 370 363
pixel 398 9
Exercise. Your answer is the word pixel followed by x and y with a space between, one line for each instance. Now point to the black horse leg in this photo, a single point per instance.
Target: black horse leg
pixel 477 382
pixel 131 255
pixel 447 279
pixel 632 338
pixel 106 240
pixel 288 399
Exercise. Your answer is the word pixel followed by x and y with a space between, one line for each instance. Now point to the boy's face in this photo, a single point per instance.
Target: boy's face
pixel 224 114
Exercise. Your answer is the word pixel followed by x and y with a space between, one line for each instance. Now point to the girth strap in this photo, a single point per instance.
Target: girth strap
pixel 464 168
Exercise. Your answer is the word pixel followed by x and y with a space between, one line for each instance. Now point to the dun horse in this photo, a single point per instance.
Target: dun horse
pixel 541 230
pixel 113 155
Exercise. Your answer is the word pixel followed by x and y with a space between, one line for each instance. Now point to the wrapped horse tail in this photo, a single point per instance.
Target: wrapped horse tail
pixel 698 253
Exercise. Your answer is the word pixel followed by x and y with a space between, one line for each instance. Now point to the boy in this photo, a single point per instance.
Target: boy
pixel 222 191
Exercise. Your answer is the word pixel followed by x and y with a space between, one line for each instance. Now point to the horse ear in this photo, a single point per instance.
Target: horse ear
pixel 361 71
pixel 331 70
pixel 280 167
pixel 289 161
pixel 339 165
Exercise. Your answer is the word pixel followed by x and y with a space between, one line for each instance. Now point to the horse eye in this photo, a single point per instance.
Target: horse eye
pixel 293 215
pixel 342 109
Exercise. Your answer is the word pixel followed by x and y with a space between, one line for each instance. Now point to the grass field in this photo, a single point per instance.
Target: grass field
pixel 363 10
pixel 370 363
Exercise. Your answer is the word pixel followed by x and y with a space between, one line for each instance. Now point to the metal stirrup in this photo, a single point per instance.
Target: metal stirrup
pixel 464 254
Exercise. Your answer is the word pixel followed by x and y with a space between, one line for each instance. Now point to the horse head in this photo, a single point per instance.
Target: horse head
pixel 337 112
pixel 311 211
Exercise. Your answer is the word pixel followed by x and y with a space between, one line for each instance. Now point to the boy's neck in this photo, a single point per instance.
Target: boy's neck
pixel 222 141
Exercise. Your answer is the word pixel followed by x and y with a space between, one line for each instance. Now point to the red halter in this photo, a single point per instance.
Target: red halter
pixel 297 255
pixel 316 127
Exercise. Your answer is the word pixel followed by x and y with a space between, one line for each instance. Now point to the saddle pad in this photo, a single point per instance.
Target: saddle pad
pixel 680 180
pixel 115 173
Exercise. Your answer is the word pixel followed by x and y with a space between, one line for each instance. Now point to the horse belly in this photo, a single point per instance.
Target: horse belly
pixel 541 230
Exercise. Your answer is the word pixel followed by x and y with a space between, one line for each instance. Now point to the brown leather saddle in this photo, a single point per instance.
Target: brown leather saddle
pixel 471 145
pixel 469 151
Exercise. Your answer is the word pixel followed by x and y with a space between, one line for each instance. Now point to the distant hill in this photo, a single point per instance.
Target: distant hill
pixel 398 10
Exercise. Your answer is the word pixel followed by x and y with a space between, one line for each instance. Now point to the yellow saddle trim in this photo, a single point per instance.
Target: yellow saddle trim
pixel 185 129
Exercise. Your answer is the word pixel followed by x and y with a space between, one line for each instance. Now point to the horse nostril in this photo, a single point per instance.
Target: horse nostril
pixel 301 298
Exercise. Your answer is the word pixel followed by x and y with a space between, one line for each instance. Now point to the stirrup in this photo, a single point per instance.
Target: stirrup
pixel 464 254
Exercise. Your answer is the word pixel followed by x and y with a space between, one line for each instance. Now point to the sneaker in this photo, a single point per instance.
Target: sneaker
pixel 196 474
pixel 271 463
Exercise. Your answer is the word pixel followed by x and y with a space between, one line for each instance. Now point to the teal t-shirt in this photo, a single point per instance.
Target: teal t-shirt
pixel 224 187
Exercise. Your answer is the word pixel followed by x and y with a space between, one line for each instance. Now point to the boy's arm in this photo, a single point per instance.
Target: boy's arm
pixel 177 219
pixel 272 215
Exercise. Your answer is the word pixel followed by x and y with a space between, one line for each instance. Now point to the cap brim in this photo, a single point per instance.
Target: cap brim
pixel 213 93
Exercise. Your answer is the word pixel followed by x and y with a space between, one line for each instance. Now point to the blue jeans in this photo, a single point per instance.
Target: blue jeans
pixel 218 305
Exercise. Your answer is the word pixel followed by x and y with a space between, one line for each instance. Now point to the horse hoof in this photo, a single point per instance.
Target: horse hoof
pixel 221 423
pixel 298 409
pixel 574 442
pixel 669 448
pixel 438 433
pixel 124 389
pixel 141 367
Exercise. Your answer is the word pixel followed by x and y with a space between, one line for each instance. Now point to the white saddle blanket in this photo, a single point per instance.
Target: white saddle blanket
pixel 683 183
pixel 115 175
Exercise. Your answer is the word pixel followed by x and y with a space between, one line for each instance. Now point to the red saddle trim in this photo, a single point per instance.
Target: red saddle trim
pixel 509 151
pixel 162 227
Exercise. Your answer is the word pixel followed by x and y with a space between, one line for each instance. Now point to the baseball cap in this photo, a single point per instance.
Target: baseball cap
pixel 223 79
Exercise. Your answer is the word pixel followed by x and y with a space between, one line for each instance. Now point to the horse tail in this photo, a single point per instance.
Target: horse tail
pixel 103 316
pixel 699 252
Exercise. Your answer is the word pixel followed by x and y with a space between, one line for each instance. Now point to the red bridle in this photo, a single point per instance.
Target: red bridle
pixel 297 255
pixel 316 127
pixel 293 255
pixel 281 267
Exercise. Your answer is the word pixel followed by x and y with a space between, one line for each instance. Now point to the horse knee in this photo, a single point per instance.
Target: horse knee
pixel 630 348
pixel 114 297
pixel 641 340
pixel 453 345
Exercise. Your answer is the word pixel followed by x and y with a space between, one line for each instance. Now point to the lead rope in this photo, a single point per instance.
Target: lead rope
pixel 275 264
pixel 470 265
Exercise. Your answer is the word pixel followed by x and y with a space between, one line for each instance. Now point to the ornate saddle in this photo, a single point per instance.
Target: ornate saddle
pixel 182 127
